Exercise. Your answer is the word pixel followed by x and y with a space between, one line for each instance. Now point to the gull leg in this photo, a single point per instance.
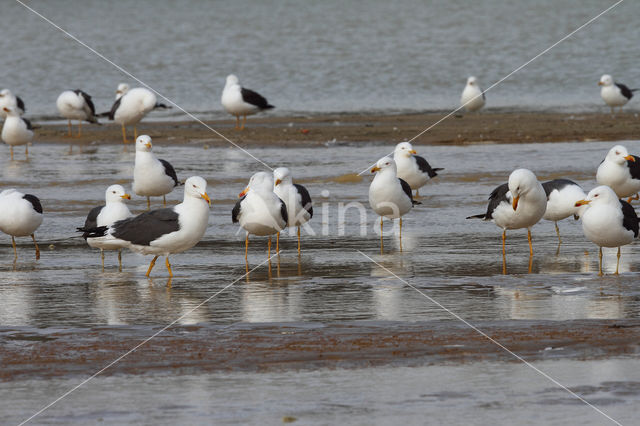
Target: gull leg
pixel 633 197
pixel 119 260
pixel 529 238
pixel 166 262
pixel 600 262
pixel 164 200
pixel 33 237
pixel 618 261
pixel 381 240
pixel 69 128
pixel 15 252
pixel 124 135
pixel 504 252
pixel 278 242
pixel 11 149
pixel 80 129
pixel 26 151
pixel 244 121
pixel 135 132
pixel 299 248
pixel 269 248
pixel 400 234
pixel 148 203
pixel 153 262
pixel 418 192
pixel 246 247
pixel 558 233
pixel 102 257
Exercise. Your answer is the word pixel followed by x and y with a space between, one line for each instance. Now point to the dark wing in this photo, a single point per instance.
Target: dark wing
pixel 254 98
pixel 624 90
pixel 558 184
pixel 630 218
pixel 87 100
pixel 35 202
pixel 634 167
pixel 424 166
pixel 306 199
pixel 283 211
pixel 497 196
pixel 169 171
pixel 236 210
pixel 407 190
pixel 114 108
pixel 147 227
pixel 91 222
pixel 20 104
pixel 28 123
pixel 161 106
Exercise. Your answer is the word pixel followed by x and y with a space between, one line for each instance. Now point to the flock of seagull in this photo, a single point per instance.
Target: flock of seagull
pixel 272 202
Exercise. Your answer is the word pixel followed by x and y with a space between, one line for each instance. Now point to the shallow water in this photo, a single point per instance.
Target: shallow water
pixel 322 56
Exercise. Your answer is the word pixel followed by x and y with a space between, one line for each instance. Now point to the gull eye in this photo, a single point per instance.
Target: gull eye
pixel 113 192
pixel 617 152
pixel 595 195
pixel 194 185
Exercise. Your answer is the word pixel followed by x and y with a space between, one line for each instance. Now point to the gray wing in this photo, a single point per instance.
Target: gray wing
pixel 629 218
pixel 306 199
pixel 254 98
pixel 558 184
pixel 91 222
pixel 170 171
pixel 235 213
pixel 147 227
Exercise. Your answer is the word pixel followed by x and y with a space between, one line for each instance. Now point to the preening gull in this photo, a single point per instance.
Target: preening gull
pixel 16 131
pixel 239 101
pixel 165 231
pixel 152 177
pixel 562 195
pixel 20 216
pixel 412 168
pixel 621 172
pixel 295 197
pixel 132 106
pixel 76 105
pixel 11 101
pixel 114 210
pixel 614 94
pixel 608 221
pixel 260 211
pixel 472 98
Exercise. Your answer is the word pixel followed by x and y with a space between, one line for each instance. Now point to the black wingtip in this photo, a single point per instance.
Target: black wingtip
pixel 414 202
pixel 269 106
pixel 477 216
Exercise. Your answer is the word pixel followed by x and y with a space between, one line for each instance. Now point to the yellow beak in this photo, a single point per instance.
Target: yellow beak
pixel 515 202
pixel 206 197
pixel 278 182
pixel 126 196
pixel 6 109
pixel 375 169
pixel 243 193
pixel 600 83
pixel 630 158
pixel 582 203
pixel 413 151
pixel 148 145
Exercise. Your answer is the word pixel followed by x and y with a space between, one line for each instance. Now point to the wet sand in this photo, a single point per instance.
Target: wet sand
pixel 29 353
pixel 498 127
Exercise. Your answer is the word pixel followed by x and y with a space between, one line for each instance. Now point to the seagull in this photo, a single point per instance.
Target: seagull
pixel 240 101
pixel 131 107
pixel 608 221
pixel 472 98
pixel 114 210
pixel 76 105
pixel 152 177
pixel 520 203
pixel 20 215
pixel 389 196
pixel 165 231
pixel 295 197
pixel 412 168
pixel 11 101
pixel 621 172
pixel 562 195
pixel 16 131
pixel 614 94
pixel 260 211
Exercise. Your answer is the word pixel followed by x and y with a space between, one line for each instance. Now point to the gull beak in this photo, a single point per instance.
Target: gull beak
pixel 630 158
pixel 125 197
pixel 515 202
pixel 375 169
pixel 148 145
pixel 118 92
pixel 582 203
pixel 600 83
pixel 243 193
pixel 6 109
pixel 278 182
pixel 413 151
pixel 206 198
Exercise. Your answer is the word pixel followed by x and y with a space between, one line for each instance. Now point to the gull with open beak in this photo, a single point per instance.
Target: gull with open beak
pixel 608 221
pixel 260 211
pixel 520 203
pixel 621 172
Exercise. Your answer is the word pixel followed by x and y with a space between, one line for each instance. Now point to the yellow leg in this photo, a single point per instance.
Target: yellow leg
pixel 381 240
pixel 529 238
pixel 504 252
pixel 237 122
pixel 11 149
pixel 278 242
pixel 69 127
pixel 153 262
pixel 600 262
pixel 80 129
pixel 148 203
pixel 26 151
pixel 164 200
pixel 400 234
pixel 102 257
pixel 418 192
pixel 269 248
pixel 246 248
pixel 244 121
pixel 124 135
pixel 33 237
pixel 120 260
pixel 166 262
pixel 618 261
pixel 15 251
pixel 634 197
pixel 299 245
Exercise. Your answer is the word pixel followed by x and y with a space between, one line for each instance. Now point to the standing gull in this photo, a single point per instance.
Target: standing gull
pixel 295 197
pixel 131 107
pixel 165 231
pixel 520 203
pixel 472 98
pixel 20 216
pixel 11 101
pixel 260 211
pixel 152 177
pixel 114 210
pixel 562 195
pixel 16 131
pixel 389 196
pixel 76 105
pixel 614 94
pixel 621 172
pixel 608 221
pixel 239 101
pixel 412 168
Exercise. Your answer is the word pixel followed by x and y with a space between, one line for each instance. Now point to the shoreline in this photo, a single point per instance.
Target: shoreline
pixel 323 130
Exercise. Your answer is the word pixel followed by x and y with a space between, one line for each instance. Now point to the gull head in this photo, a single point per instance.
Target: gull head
pixel 605 80
pixel 472 81
pixel 521 181
pixel 404 149
pixel 384 164
pixel 196 187
pixel 619 155
pixel 282 175
pixel 259 182
pixel 232 79
pixel 116 194
pixel 143 143
pixel 599 195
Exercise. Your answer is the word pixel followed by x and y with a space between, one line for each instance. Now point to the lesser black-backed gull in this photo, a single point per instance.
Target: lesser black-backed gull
pixel 412 168
pixel 295 197
pixel 240 101
pixel 562 195
pixel 131 107
pixel 620 171
pixel 152 177
pixel 614 94
pixel 11 101
pixel 472 98
pixel 76 105
pixel 16 131
pixel 20 216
